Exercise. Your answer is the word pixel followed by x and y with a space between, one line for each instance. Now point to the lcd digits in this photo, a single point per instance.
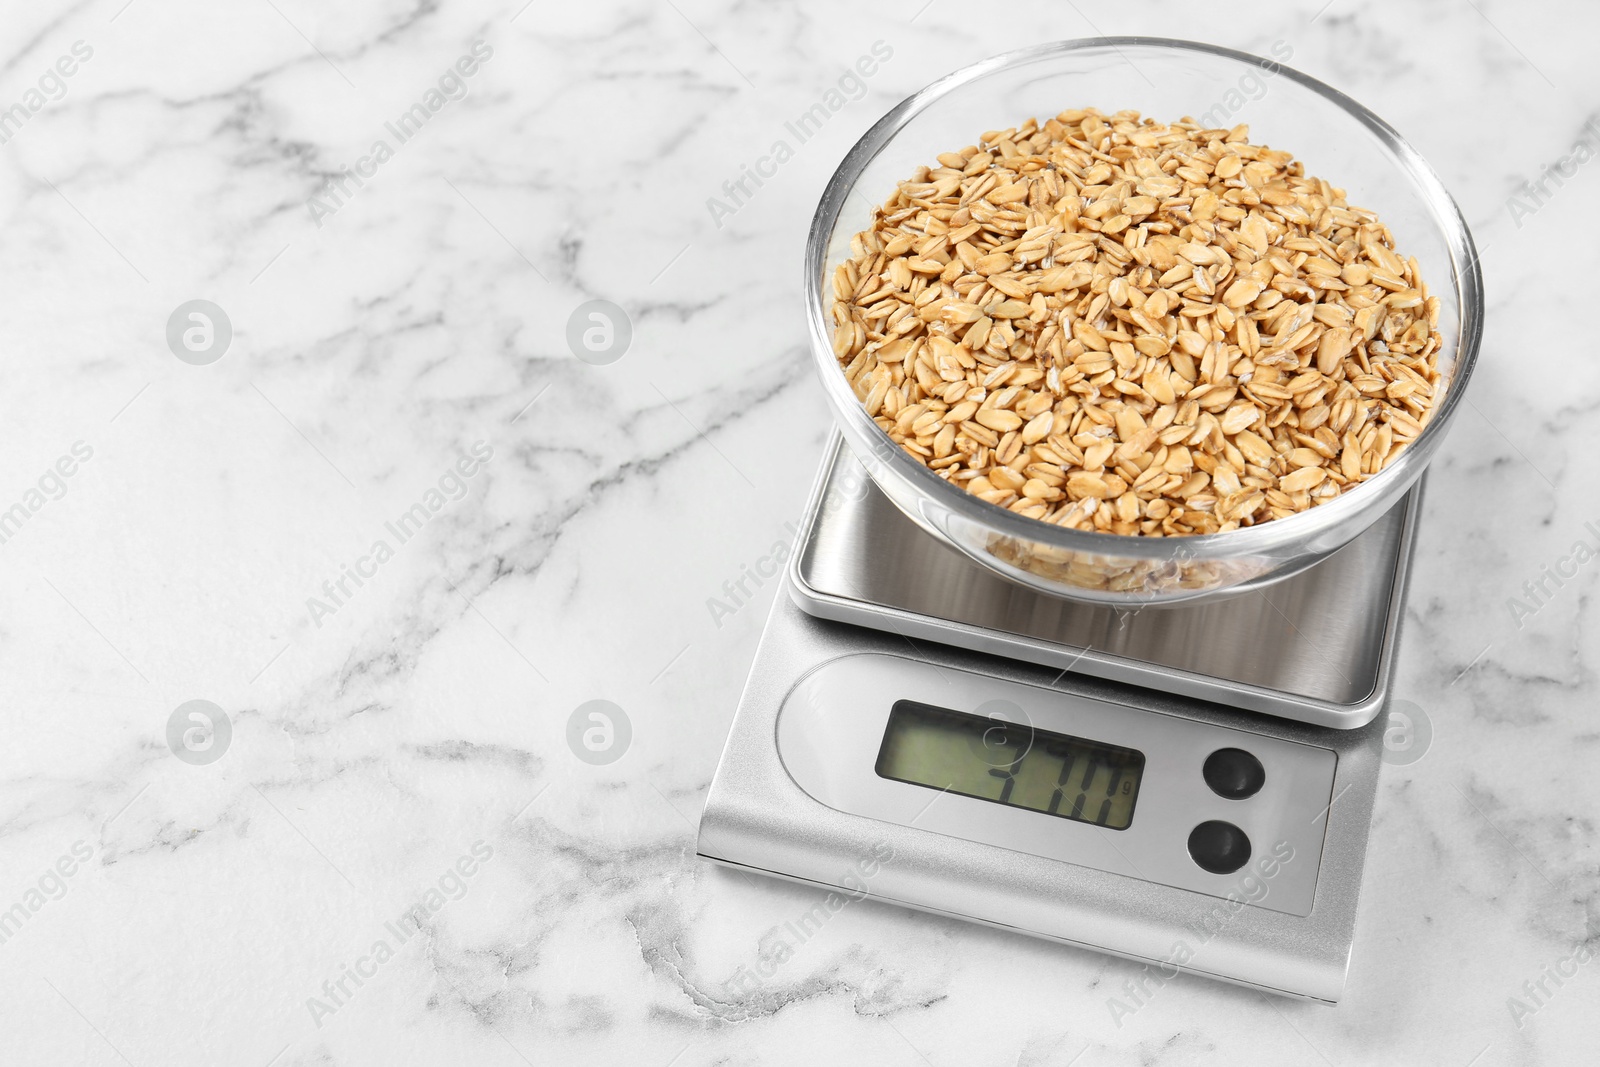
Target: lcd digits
pixel 1011 763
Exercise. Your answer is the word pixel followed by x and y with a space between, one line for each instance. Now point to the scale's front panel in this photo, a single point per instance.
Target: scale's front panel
pixel 1149 826
pixel 1061 775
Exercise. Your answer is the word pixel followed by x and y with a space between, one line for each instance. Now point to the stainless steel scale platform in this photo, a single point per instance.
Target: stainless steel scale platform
pixel 911 713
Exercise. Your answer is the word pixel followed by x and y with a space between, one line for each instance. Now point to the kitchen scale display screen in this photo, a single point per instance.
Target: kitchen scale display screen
pixel 1011 763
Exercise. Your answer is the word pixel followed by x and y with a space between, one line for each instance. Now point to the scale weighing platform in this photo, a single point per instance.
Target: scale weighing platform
pixel 1186 785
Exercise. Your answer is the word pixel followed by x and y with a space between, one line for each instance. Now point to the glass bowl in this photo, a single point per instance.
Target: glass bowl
pixel 1336 138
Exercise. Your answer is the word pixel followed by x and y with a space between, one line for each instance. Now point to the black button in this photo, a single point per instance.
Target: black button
pixel 1219 847
pixel 1234 773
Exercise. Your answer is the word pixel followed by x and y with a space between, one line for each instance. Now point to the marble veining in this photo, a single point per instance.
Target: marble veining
pixel 401 771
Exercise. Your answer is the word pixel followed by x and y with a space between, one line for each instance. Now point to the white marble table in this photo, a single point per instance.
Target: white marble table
pixel 401 742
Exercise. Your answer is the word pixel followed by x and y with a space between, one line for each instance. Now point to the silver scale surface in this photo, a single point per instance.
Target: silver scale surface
pixel 1317 647
pixel 875 608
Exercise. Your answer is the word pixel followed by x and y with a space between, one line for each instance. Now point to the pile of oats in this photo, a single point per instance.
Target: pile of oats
pixel 1114 324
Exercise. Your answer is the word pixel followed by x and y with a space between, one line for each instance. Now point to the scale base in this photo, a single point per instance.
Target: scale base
pixel 759 819
pixel 866 582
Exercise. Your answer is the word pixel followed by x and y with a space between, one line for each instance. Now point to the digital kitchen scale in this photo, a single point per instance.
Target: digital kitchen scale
pixel 1187 785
